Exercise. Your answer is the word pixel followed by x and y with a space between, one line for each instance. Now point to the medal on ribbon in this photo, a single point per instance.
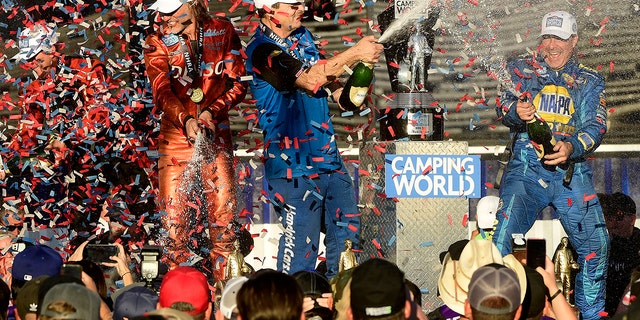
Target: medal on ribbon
pixel 197 95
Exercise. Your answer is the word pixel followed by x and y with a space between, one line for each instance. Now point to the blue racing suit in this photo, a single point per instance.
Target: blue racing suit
pixel 308 184
pixel 572 102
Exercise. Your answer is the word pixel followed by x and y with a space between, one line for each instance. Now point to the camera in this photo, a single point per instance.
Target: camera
pixel 149 267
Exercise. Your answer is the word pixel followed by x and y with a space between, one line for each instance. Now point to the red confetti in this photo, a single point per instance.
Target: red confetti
pixel 375 243
pixel 347 39
pixel 590 256
pixel 589 197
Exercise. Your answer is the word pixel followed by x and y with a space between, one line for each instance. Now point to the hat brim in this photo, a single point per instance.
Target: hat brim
pixel 450 293
pixel 512 263
pixel 26 55
pixel 167 6
pixel 558 33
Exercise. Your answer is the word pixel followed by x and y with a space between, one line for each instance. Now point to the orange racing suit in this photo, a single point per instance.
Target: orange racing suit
pixel 221 66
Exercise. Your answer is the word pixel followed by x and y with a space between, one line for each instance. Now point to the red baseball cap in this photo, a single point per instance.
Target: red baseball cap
pixel 185 284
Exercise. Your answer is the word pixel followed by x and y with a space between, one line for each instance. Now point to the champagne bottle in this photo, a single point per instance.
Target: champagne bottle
pixel 540 133
pixel 357 86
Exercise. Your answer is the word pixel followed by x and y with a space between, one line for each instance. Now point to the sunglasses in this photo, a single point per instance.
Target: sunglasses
pixel 14 227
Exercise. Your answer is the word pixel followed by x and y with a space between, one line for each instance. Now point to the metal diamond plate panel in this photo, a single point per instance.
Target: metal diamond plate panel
pixel 409 231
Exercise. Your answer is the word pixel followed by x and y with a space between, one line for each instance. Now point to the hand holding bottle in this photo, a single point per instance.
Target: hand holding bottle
pixel 368 49
pixel 206 123
pixel 562 152
pixel 192 129
pixel 525 110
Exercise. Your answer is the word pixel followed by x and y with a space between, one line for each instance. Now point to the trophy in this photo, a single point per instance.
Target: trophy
pixel 408 38
pixel 565 265
pixel 347 257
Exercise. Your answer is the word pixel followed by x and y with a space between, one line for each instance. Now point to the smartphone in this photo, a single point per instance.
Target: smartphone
pixel 536 253
pixel 100 252
pixel 74 270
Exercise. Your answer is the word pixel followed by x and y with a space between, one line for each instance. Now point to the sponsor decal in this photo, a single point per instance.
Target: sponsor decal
pixel 432 176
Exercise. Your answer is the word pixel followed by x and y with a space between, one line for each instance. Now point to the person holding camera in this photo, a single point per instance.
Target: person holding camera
pixel 111 256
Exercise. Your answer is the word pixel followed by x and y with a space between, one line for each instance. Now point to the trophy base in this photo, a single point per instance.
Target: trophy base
pixel 413 116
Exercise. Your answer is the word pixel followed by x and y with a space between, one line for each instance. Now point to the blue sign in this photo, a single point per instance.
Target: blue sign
pixel 432 176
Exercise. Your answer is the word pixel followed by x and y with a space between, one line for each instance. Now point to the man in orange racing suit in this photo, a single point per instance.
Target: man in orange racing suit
pixel 194 65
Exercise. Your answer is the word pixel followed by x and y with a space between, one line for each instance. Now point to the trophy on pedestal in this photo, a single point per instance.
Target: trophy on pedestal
pixel 413 112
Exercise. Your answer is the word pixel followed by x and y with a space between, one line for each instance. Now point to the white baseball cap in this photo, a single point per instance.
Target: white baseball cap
pixel 37 38
pixel 269 3
pixel 559 23
pixel 486 211
pixel 167 6
pixel 228 302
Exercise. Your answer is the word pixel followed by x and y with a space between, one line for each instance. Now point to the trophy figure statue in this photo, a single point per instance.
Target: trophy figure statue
pixel 236 267
pixel 419 50
pixel 347 257
pixel 565 265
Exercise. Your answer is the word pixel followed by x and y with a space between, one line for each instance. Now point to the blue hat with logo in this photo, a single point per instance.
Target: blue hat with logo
pixel 36 261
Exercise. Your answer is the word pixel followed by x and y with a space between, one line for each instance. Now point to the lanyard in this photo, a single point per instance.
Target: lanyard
pixel 299 54
pixel 193 68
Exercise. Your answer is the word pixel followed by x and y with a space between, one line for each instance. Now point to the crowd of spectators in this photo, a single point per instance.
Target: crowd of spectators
pixel 475 282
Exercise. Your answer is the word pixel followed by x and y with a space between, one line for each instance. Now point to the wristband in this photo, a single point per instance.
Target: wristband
pixel 554 295
pixel 184 122
pixel 208 110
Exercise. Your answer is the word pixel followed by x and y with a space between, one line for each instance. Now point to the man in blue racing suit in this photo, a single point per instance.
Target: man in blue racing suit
pixel 571 99
pixel 308 183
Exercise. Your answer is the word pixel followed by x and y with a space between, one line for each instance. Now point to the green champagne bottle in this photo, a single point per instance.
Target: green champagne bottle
pixel 544 141
pixel 357 87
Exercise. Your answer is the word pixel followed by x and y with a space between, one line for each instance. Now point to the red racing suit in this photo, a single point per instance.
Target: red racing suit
pixel 221 67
